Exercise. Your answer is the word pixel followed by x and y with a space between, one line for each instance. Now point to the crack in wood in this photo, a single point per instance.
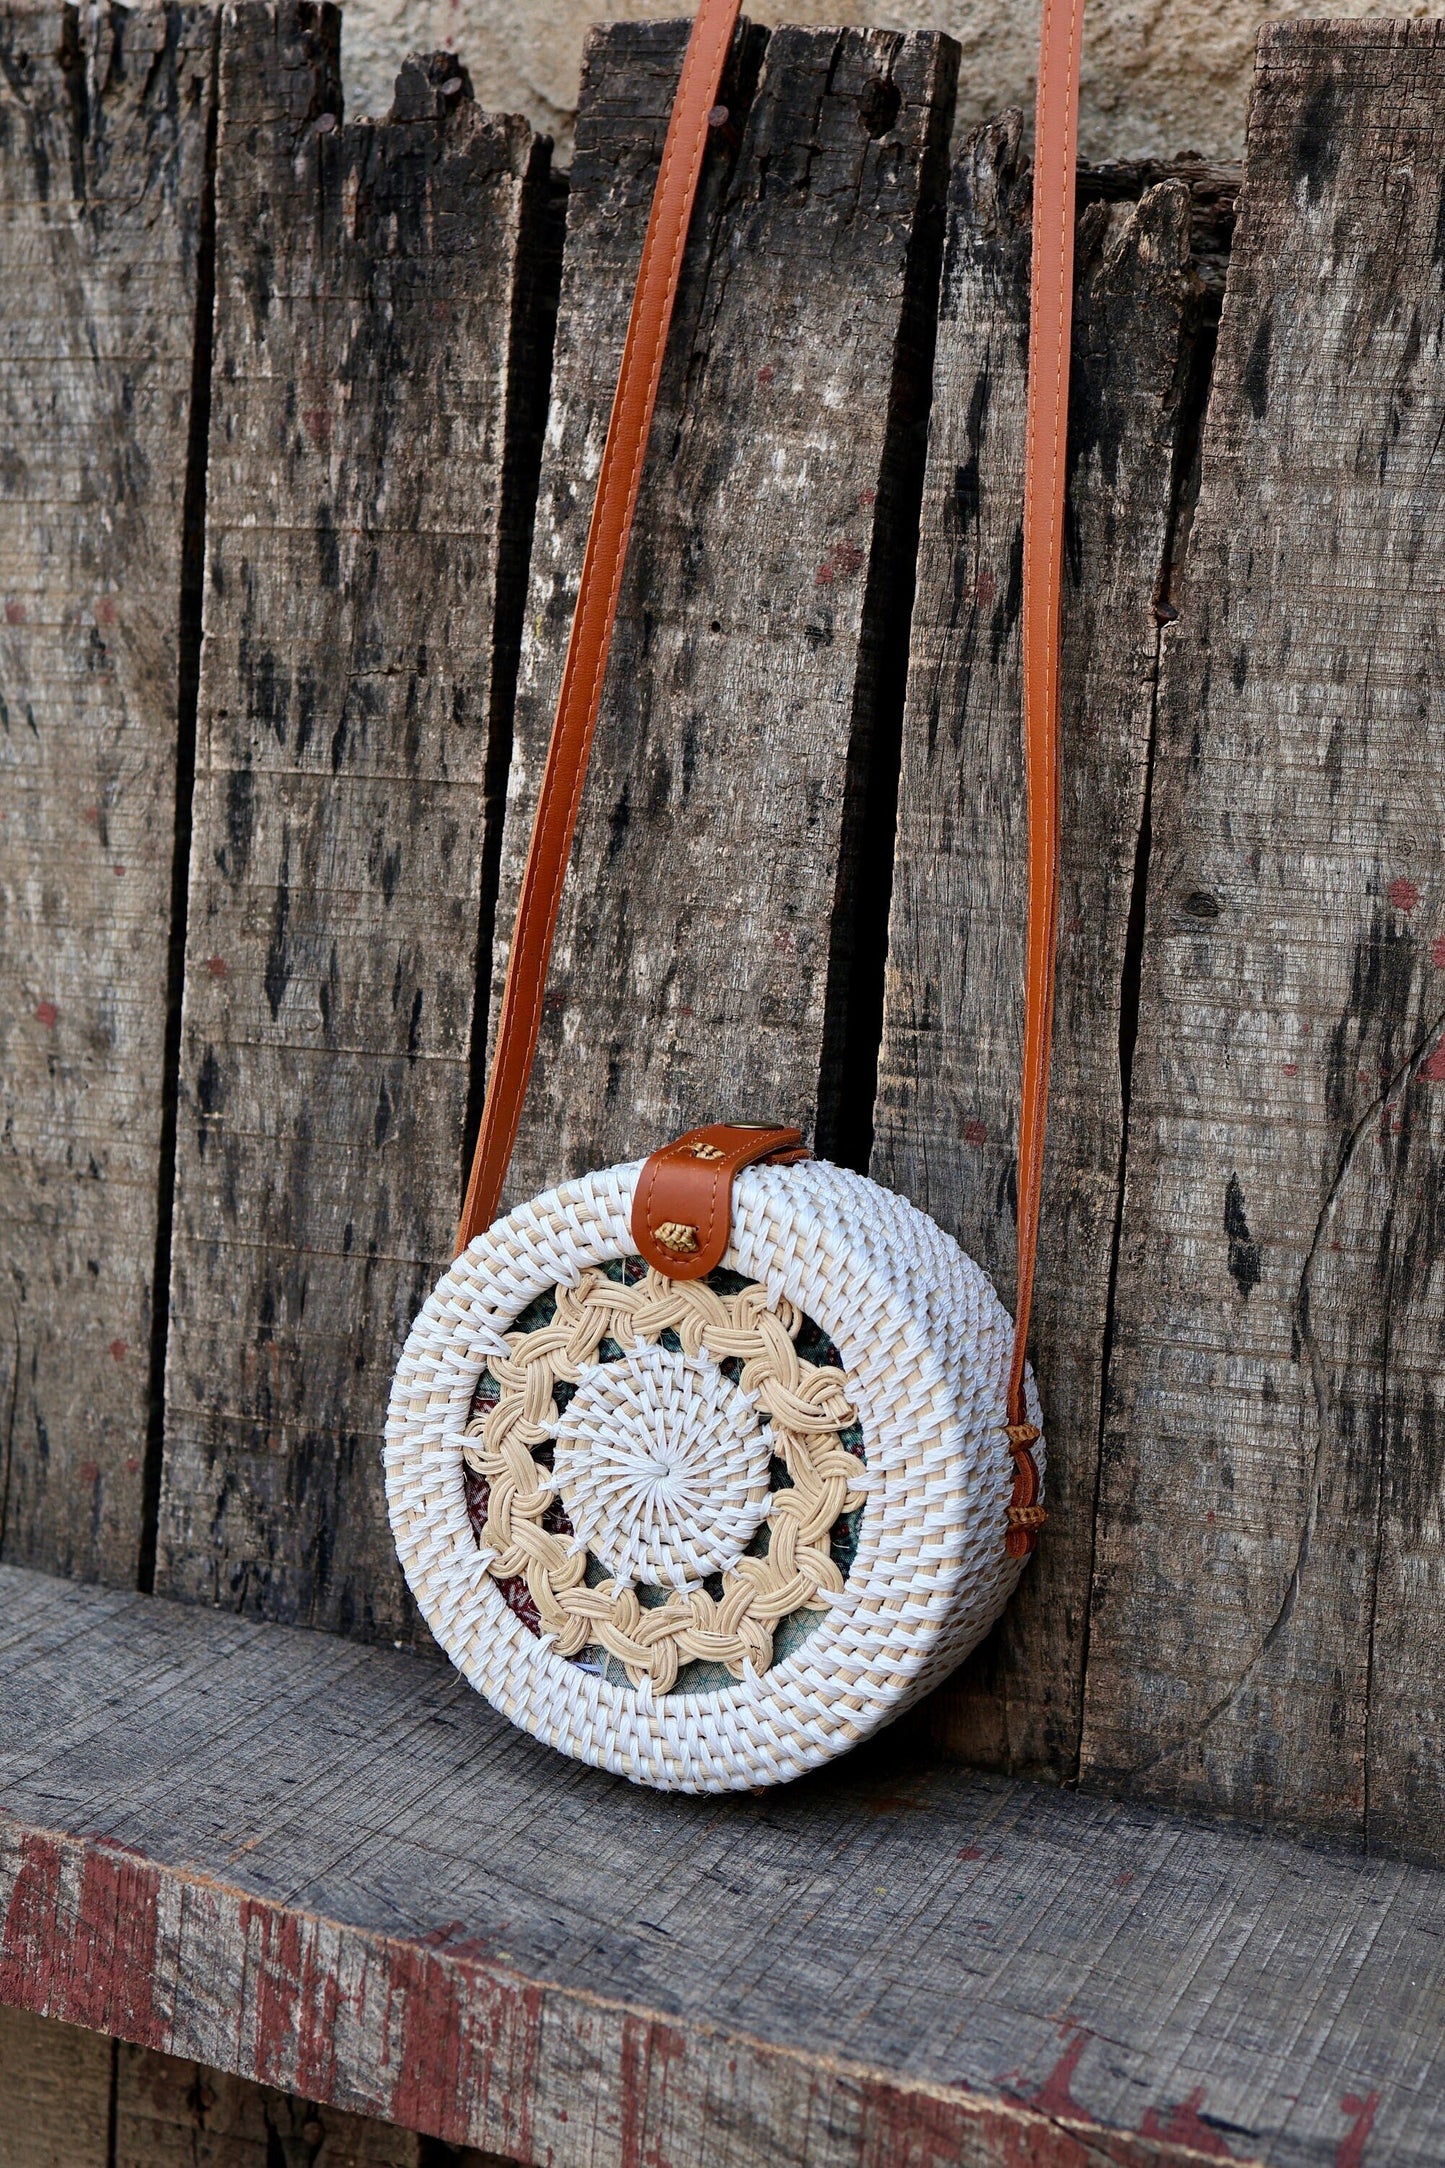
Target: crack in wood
pixel 188 686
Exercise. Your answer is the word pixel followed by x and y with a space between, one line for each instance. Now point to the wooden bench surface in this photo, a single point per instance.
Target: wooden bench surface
pixel 335 1869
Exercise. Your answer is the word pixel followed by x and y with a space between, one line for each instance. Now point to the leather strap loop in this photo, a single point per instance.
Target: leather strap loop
pixel 602 566
pixel 682 1207
pixel 1051 310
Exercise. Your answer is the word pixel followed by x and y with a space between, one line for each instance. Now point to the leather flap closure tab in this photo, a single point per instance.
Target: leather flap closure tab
pixel 682 1207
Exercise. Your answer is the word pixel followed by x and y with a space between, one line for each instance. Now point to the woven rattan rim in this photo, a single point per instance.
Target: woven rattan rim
pixel 924 1345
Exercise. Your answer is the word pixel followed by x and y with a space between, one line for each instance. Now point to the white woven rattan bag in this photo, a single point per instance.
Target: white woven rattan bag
pixel 704 1468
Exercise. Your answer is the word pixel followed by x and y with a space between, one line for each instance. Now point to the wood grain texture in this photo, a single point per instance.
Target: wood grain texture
pixel 333 1869
pixel 104 117
pixel 717 890
pixel 946 1121
pixel 55 2094
pixel 172 2113
pixel 1267 1612
pixel 70 2098
pixel 374 375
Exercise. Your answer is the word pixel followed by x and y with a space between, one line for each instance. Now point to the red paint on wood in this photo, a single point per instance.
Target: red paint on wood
pixel 441 1938
pixel 461 2059
pixel 272 1942
pixel 975 1133
pixel 1404 894
pixel 1437 953
pixel 429 2000
pixel 81 1946
pixel 1054 2096
pixel 46 1014
pixel 27 1946
pixel 900 2125
pixel 643 2102
pixel 468 2045
pixel 14 613
pixel 1182 2125
pixel 117 1927
pixel 321 2003
pixel 1433 1066
pixel 1351 2149
pixel 118 1351
pixel 841 562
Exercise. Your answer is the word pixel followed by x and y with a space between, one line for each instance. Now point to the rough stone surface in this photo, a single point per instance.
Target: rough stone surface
pixel 1157 79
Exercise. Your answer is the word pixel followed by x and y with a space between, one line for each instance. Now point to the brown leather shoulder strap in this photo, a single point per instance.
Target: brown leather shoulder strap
pixel 1050 324
pixel 592 622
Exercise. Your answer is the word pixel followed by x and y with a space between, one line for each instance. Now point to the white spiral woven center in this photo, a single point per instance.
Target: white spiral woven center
pixel 662 1467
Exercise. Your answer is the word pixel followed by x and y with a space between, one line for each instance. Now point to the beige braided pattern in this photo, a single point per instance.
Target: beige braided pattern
pixel 806 1407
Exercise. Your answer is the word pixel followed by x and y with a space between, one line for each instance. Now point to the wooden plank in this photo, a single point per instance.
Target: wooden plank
pixel 55 2093
pixel 104 118
pixel 1268 1608
pixel 70 2098
pixel 375 379
pixel 171 2113
pixel 333 1869
pixel 946 1121
pixel 705 953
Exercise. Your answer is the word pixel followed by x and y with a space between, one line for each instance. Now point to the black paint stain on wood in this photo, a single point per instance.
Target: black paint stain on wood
pixel 1315 152
pixel 1244 1264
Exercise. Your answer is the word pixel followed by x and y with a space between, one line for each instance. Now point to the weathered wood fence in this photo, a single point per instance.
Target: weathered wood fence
pixel 281 641
pixel 298 424
pixel 278 660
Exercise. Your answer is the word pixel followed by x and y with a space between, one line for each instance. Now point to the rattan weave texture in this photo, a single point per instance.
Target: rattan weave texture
pixel 698 1689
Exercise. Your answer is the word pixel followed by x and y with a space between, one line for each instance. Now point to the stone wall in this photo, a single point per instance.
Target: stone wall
pixel 1159 75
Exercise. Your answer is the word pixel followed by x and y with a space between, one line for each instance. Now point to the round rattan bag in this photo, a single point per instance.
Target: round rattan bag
pixel 707 1533
pixel 703 1468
